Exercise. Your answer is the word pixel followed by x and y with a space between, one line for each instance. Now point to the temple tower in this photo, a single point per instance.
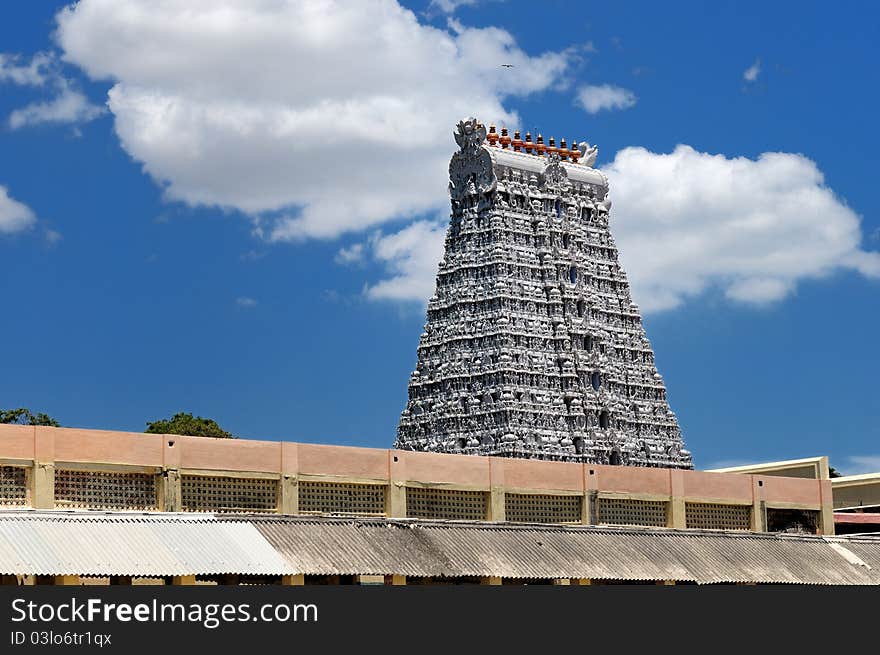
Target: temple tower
pixel 533 346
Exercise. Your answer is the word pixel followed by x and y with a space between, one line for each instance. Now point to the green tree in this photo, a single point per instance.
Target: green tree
pixel 833 472
pixel 24 416
pixel 187 424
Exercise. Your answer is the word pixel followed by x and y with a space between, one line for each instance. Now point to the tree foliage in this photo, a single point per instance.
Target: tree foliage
pixel 24 416
pixel 187 424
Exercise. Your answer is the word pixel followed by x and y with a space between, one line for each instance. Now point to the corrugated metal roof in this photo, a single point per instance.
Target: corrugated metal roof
pixel 158 544
pixel 99 544
pixel 452 549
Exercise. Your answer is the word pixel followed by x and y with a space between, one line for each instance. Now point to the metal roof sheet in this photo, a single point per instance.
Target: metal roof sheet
pixel 99 544
pixel 159 544
pixel 452 549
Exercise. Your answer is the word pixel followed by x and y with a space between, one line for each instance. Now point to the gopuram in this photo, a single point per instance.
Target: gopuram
pixel 533 347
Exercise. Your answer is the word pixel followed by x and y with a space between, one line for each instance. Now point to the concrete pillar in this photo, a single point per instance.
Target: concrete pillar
pixel 66 580
pixel 826 513
pixel 172 497
pixel 396 500
pixel 183 580
pixel 491 580
pixel 289 495
pixel 496 504
pixel 395 580
pixel 677 509
pixel 581 582
pixel 295 580
pixel 43 490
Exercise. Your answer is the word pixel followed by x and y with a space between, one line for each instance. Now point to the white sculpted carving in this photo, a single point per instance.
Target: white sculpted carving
pixel 589 153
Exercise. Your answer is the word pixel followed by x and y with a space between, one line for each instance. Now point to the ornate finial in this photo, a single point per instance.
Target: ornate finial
pixel 574 153
pixel 563 150
pixel 517 141
pixel 528 145
pixel 539 147
pixel 493 135
pixel 470 134
pixel 551 147
pixel 505 139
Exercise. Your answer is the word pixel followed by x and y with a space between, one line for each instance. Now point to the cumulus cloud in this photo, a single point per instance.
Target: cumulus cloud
pixel 315 118
pixel 449 6
pixel 14 215
pixel 68 104
pixel 244 301
pixel 752 72
pixel 410 256
pixel 689 221
pixel 594 99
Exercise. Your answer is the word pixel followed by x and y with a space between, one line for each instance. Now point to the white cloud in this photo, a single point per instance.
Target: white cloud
pixel 858 464
pixel 752 72
pixel 688 221
pixel 594 99
pixel 244 301
pixel 350 255
pixel 69 105
pixel 410 256
pixel 34 73
pixel 449 6
pixel 14 215
pixel 318 118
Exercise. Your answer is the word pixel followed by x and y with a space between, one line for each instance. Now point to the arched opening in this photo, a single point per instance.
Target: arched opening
pixel 588 343
pixel 581 307
pixel 578 445
pixel 557 207
pixel 461 443
pixel 566 240
pixel 573 274
pixel 596 380
pixel 604 419
pixel 614 458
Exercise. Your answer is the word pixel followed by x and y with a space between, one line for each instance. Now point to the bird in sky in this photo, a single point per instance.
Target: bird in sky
pixel 507 65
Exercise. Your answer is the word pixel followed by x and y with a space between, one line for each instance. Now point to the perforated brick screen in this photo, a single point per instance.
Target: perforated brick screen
pixel 446 504
pixel 542 508
pixel 631 511
pixel 105 490
pixel 217 493
pixel 341 498
pixel 715 516
pixel 13 486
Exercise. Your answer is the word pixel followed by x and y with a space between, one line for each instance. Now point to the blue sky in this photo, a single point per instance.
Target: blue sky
pixel 237 211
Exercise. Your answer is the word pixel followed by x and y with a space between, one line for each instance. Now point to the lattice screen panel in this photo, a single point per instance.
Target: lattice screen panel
pixel 542 508
pixel 446 504
pixel 631 511
pixel 341 498
pixel 713 516
pixel 217 493
pixel 13 486
pixel 105 490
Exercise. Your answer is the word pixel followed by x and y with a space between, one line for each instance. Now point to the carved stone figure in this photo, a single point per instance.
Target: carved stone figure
pixel 533 346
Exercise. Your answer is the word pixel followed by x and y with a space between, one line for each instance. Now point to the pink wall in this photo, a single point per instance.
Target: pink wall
pixel 343 461
pixel 72 445
pixel 622 479
pixel 173 451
